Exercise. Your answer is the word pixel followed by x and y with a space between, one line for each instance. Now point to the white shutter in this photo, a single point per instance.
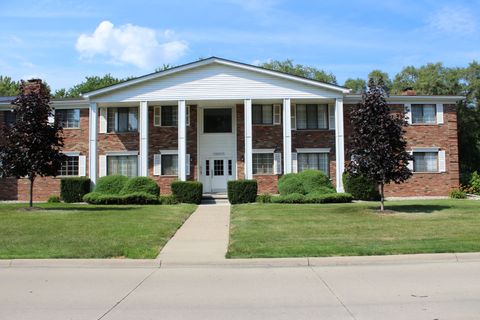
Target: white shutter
pixel 442 165
pixel 102 166
pixel 331 116
pixel 187 165
pixel 156 116
pixel 82 166
pixel 294 162
pixel 408 113
pixel 157 164
pixel 293 116
pixel 277 163
pixel 188 118
pixel 103 120
pixel 410 163
pixel 51 117
pixel 439 113
pixel 277 114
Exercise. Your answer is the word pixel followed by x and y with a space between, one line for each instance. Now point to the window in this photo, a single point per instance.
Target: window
pixel 169 116
pixel 262 114
pixel 315 161
pixel 68 118
pixel 230 169
pixel 124 165
pixel 169 164
pixel 207 168
pixel 69 167
pixel 263 163
pixel 122 119
pixel 312 116
pixel 217 120
pixel 424 113
pixel 425 161
pixel 9 117
pixel 218 169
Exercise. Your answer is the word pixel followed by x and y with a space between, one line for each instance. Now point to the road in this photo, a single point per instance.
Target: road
pixel 445 290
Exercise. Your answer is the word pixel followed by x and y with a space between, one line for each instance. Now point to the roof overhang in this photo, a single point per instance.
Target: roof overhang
pixel 400 99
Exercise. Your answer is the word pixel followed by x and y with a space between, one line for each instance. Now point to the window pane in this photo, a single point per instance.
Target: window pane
pixel 169 116
pixel 429 111
pixel 69 167
pixel 133 119
pixel 301 116
pixel 322 117
pixel 123 165
pixel 111 119
pixel 169 164
pixel 122 119
pixel 262 163
pixel 217 120
pixel 312 116
pixel 256 114
pixel 313 161
pixel 267 114
pixel 425 162
pixel 218 168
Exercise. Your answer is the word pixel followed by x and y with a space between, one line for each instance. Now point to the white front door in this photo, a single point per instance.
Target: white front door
pixel 216 174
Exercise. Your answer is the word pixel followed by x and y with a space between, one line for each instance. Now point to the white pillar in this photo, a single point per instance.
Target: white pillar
pixel 143 128
pixel 182 140
pixel 339 143
pixel 248 159
pixel 287 137
pixel 92 144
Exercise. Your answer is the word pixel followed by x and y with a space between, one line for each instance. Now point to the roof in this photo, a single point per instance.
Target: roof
pixel 213 60
pixel 354 98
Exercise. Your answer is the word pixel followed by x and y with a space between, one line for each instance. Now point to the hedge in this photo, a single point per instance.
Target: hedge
pixel 305 182
pixel 360 187
pixel 132 198
pixel 111 184
pixel 187 191
pixel 73 189
pixel 290 198
pixel 313 197
pixel 242 191
pixel 141 184
pixel 168 199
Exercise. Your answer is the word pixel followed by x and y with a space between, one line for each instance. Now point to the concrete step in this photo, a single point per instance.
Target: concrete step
pixel 210 196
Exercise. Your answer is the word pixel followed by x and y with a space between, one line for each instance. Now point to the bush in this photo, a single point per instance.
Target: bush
pixel 264 198
pixel 53 199
pixel 73 189
pixel 187 191
pixel 315 180
pixel 111 184
pixel 475 183
pixel 457 194
pixel 316 197
pixel 360 187
pixel 168 199
pixel 133 198
pixel 290 183
pixel 290 198
pixel 141 184
pixel 242 191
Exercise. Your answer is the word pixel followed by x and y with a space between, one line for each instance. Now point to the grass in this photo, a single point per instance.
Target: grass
pixel 421 226
pixel 87 231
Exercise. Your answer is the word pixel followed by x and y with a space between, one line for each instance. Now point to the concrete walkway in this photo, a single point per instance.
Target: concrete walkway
pixel 203 238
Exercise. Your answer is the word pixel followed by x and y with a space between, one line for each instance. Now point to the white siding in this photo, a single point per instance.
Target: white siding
pixel 215 82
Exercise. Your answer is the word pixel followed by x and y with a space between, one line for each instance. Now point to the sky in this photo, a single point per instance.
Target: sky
pixel 62 42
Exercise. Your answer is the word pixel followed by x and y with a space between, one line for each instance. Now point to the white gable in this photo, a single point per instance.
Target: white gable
pixel 216 81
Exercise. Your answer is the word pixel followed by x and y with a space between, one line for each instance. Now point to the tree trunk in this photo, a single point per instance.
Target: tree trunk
pixel 382 198
pixel 31 191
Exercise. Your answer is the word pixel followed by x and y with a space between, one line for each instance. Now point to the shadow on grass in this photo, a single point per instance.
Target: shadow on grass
pixel 90 209
pixel 413 208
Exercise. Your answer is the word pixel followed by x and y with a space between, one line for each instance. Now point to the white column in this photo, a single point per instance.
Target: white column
pixel 182 140
pixel 339 143
pixel 92 144
pixel 287 137
pixel 248 162
pixel 143 127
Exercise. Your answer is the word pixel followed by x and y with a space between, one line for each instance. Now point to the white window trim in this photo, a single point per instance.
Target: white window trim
pixel 81 171
pixel 165 153
pixel 313 150
pixel 71 153
pixel 169 151
pixel 263 150
pixel 441 167
pixel 439 113
pixel 121 153
pixel 275 164
pixel 425 149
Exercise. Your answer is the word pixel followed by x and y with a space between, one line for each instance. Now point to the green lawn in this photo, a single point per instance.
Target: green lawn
pixel 421 226
pixel 87 231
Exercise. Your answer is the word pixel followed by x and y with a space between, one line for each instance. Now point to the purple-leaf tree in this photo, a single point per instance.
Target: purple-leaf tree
pixel 31 145
pixel 378 145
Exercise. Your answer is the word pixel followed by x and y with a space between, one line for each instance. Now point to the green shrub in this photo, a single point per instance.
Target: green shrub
pixel 457 194
pixel 360 187
pixel 187 191
pixel 315 180
pixel 168 199
pixel 141 184
pixel 475 183
pixel 73 189
pixel 290 198
pixel 316 197
pixel 290 183
pixel 111 184
pixel 133 198
pixel 264 198
pixel 53 199
pixel 242 191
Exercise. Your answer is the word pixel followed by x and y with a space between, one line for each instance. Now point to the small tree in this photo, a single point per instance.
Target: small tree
pixel 31 146
pixel 377 142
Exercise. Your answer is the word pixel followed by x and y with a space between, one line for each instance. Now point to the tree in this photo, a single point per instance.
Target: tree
pixel 287 66
pixel 31 147
pixel 93 83
pixel 358 86
pixel 378 76
pixel 164 67
pixel 8 87
pixel 377 141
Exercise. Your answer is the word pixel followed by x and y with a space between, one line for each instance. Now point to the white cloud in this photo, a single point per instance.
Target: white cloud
pixel 453 20
pixel 131 44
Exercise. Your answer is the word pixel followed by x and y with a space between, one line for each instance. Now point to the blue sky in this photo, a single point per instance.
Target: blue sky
pixel 64 41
